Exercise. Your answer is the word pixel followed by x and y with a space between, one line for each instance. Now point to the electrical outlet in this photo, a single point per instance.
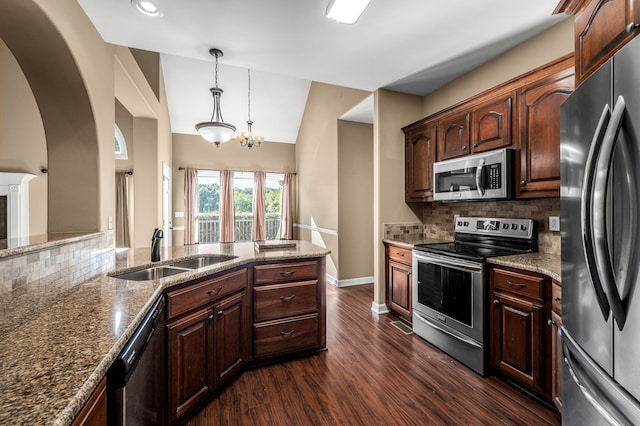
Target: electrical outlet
pixel 554 223
pixel 179 214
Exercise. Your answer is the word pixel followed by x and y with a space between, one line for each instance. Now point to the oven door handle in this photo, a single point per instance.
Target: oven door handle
pixel 454 263
pixel 447 332
pixel 479 170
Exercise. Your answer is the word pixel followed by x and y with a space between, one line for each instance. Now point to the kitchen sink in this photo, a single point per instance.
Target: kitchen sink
pixel 154 273
pixel 202 261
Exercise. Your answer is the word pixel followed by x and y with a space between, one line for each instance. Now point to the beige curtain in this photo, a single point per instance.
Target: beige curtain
pixel 258 233
pixel 190 206
pixel 227 210
pixel 122 210
pixel 286 207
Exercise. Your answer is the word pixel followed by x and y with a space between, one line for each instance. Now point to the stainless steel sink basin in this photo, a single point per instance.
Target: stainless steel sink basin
pixel 154 273
pixel 202 261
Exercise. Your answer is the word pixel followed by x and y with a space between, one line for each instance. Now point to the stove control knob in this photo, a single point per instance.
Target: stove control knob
pixel 466 223
pixel 514 226
pixel 459 223
pixel 505 226
pixel 523 227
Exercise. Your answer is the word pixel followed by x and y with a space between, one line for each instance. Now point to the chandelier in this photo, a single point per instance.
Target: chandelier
pixel 247 138
pixel 216 130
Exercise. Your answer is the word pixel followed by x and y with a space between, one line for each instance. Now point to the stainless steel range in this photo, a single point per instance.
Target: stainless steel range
pixel 450 289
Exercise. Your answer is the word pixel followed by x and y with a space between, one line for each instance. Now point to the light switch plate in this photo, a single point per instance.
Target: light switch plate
pixel 554 223
pixel 110 220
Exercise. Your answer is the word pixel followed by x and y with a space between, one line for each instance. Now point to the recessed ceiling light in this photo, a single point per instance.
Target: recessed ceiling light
pixel 147 7
pixel 346 11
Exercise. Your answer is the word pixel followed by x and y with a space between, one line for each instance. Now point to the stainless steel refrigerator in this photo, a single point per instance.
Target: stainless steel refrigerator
pixel 600 175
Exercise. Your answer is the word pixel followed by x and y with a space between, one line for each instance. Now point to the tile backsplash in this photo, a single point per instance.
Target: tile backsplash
pixel 403 231
pixel 438 217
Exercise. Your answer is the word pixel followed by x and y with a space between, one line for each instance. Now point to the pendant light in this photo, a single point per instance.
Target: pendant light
pixel 247 138
pixel 216 130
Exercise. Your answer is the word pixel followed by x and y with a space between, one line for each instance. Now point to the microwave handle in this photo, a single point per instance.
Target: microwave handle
pixel 479 170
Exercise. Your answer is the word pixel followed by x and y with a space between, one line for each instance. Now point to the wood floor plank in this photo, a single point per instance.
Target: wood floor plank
pixel 372 374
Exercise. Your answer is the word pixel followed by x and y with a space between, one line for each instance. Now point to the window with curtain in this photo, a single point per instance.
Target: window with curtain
pixel 243 185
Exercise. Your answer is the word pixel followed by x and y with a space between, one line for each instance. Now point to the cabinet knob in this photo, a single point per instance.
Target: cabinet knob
pixel 496 302
pixel 632 27
pixel 549 323
pixel 558 300
pixel 464 148
pixel 523 183
pixel 220 313
pixel 211 316
pixel 475 145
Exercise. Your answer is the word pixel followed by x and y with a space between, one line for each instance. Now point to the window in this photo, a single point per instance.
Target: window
pixel 120 144
pixel 243 183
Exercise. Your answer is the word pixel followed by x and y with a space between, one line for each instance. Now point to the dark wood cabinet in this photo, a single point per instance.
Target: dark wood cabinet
pixel 94 411
pixel 288 309
pixel 491 124
pixel 453 136
pixel 557 358
pixel 539 105
pixel 208 338
pixel 420 154
pixel 519 334
pixel 399 276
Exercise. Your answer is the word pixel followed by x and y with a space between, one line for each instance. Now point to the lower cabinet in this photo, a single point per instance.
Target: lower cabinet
pixel 520 337
pixel 94 411
pixel 557 358
pixel 399 276
pixel 209 344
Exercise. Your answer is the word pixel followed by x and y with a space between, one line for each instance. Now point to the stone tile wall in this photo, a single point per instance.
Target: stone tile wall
pixel 438 217
pixel 62 264
pixel 403 231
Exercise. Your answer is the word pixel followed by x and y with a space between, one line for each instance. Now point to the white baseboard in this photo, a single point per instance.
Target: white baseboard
pixel 349 282
pixel 379 308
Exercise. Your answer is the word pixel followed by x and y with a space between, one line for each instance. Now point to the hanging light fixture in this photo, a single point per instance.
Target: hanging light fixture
pixel 216 130
pixel 247 138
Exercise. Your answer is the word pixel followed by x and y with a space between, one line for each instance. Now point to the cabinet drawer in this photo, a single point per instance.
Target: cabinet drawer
pixel 285 336
pixel 556 298
pixel 285 272
pixel 188 298
pixel 401 255
pixel 284 300
pixel 517 283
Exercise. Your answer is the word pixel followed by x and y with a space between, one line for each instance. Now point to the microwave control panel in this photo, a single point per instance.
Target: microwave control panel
pixel 494 176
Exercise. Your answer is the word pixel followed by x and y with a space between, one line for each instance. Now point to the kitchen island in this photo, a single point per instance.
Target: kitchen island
pixel 58 342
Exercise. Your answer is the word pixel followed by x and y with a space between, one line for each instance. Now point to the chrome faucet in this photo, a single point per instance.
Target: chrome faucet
pixel 155 244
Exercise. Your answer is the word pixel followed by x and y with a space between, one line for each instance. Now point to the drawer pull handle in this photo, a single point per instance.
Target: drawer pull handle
pixel 558 300
pixel 287 333
pixel 287 273
pixel 287 298
pixel 216 291
pixel 516 285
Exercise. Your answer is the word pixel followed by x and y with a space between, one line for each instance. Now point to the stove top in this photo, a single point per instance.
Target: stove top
pixel 479 238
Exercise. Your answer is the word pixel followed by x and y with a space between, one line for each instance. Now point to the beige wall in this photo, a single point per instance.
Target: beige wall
pixel 317 163
pixel 392 111
pixel 545 47
pixel 191 151
pixel 23 147
pixel 355 201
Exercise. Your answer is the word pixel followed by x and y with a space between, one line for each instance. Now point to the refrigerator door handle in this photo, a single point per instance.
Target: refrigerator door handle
pixel 586 210
pixel 599 207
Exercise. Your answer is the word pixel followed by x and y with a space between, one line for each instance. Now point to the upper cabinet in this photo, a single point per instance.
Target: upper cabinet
pixel 420 154
pixel 491 124
pixel 453 136
pixel 602 27
pixel 539 124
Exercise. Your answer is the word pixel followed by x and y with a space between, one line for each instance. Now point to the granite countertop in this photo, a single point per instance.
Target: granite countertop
pixel 57 344
pixel 543 263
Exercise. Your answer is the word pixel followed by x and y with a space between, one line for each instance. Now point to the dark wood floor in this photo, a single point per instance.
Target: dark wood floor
pixel 372 374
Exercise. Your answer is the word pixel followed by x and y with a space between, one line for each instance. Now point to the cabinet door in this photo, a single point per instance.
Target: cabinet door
pixel 491 125
pixel 601 30
pixel 557 359
pixel 231 334
pixel 94 411
pixel 539 122
pixel 453 136
pixel 400 289
pixel 420 154
pixel 517 339
pixel 190 361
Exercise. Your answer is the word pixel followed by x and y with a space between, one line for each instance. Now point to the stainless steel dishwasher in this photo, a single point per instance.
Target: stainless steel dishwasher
pixel 135 381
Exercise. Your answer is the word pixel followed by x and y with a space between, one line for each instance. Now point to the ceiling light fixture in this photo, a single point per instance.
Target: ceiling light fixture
pixel 247 138
pixel 216 130
pixel 346 11
pixel 147 7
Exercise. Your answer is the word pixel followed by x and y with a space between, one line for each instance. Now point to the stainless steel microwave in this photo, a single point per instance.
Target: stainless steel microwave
pixel 484 176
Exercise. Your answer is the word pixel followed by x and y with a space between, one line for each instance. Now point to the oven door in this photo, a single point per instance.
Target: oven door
pixel 448 293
